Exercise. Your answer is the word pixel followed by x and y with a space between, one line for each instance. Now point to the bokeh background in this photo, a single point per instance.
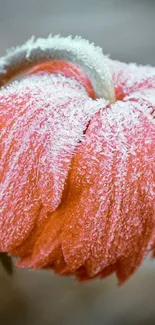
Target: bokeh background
pixel 126 30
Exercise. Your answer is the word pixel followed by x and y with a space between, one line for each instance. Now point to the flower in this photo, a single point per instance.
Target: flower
pixel 77 171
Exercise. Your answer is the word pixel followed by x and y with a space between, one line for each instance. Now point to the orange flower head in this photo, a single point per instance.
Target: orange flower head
pixel 77 160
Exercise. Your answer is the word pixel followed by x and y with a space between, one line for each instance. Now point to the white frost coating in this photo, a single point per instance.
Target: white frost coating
pixel 147 97
pixel 131 77
pixel 76 50
pixel 143 94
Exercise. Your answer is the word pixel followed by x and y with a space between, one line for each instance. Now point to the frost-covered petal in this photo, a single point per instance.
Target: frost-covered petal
pixel 39 137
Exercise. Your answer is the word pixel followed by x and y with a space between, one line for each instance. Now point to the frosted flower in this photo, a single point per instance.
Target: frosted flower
pixel 77 171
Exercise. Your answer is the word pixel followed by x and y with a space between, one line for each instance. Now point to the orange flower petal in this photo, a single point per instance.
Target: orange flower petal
pixel 50 123
pixel 110 211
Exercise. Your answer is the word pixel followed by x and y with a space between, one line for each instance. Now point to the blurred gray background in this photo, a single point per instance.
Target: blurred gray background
pixel 126 31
